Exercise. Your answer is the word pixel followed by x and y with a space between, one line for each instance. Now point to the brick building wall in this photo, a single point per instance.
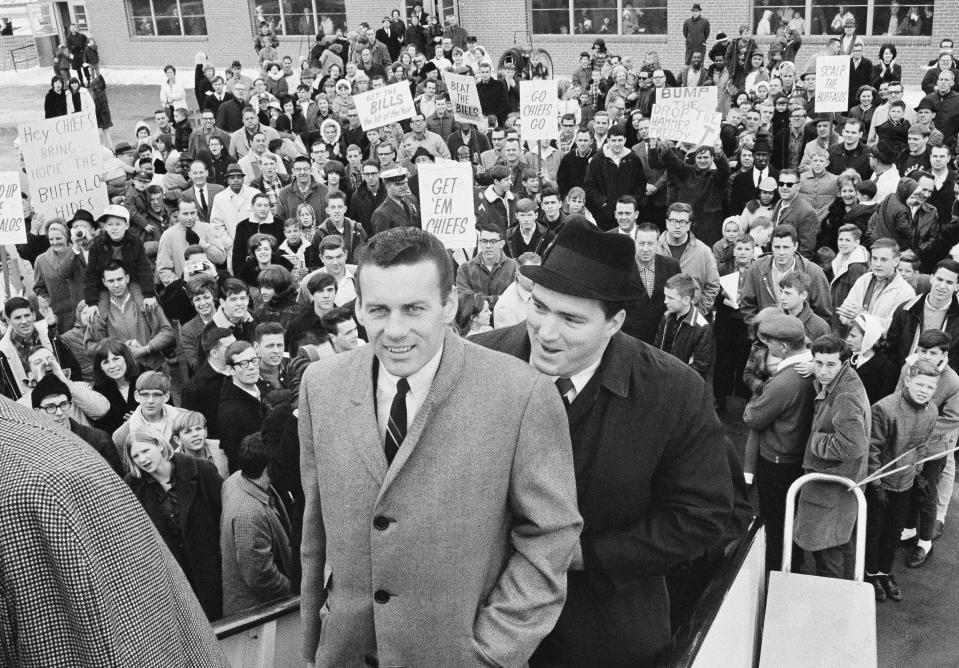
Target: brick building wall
pixel 26 52
pixel 498 24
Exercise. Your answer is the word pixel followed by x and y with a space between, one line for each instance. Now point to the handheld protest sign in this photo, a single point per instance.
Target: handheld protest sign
pixel 446 203
pixel 13 227
pixel 385 105
pixel 465 98
pixel 832 83
pixel 64 162
pixel 539 109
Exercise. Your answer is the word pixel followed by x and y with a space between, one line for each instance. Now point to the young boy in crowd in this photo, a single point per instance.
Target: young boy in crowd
pixel 901 425
pixel 932 347
pixel 793 300
pixel 895 130
pixel 295 250
pixel 116 243
pixel 908 268
pixel 684 332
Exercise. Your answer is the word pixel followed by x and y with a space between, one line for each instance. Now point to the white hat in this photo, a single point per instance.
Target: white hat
pixel 115 211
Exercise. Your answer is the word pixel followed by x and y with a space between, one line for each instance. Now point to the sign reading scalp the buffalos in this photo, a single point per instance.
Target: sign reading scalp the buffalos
pixel 446 196
pixel 64 161
pixel 538 106
pixel 385 105
pixel 686 114
pixel 13 229
pixel 465 98
pixel 832 83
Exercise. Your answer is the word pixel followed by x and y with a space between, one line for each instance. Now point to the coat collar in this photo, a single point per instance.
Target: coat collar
pixel 362 393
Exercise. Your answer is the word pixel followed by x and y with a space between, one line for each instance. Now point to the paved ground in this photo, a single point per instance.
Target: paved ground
pixel 912 632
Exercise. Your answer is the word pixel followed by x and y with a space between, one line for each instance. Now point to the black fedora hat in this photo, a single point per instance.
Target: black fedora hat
pixel 586 262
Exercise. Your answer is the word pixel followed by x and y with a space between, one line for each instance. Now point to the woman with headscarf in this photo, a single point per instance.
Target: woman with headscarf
pixel 57 278
pixel 877 372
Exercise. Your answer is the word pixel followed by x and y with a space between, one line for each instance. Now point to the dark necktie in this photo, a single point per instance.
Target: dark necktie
pixel 565 386
pixel 411 214
pixel 396 426
pixel 203 208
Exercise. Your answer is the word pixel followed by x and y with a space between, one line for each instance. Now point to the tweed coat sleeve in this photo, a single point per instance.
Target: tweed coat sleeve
pixel 254 555
pixel 72 595
pixel 843 439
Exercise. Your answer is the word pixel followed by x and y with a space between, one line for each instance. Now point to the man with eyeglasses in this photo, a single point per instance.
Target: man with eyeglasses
pixel 304 189
pixel 53 400
pixel 200 139
pixel 792 209
pixel 790 142
pixel 86 407
pixel 490 271
pixel 368 196
pixel 695 258
pixel 421 137
pixel 881 115
pixel 242 400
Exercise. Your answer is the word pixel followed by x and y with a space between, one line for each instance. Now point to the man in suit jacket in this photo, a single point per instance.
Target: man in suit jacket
pixel 441 496
pixel 200 190
pixel 399 209
pixel 643 317
pixel 653 480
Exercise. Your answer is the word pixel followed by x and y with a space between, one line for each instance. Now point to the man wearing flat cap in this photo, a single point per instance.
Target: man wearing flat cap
pixel 399 209
pixel 654 482
pixel 779 420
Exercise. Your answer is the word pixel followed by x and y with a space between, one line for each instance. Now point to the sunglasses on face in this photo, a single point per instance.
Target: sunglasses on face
pixel 787 184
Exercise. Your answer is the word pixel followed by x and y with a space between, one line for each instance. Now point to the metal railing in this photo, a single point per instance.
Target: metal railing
pixel 248 619
pixel 17 60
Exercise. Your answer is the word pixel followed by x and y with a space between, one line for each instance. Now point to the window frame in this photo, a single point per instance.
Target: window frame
pixel 131 24
pixel 807 7
pixel 619 8
pixel 282 18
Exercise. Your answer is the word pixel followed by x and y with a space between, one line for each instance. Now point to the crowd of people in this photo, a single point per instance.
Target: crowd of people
pixel 804 261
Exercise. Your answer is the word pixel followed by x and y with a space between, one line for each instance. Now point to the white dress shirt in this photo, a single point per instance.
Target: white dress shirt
pixel 420 383
pixel 580 380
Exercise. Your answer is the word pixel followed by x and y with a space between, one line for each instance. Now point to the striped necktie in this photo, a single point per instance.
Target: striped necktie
pixel 396 426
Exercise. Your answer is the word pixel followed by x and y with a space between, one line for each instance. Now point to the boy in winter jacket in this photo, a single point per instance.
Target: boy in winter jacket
pixel 901 425
pixel 684 332
pixel 116 243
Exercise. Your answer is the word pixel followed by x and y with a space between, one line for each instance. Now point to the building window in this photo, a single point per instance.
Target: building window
pixel 166 17
pixel 599 17
pixel 80 17
pixel 305 17
pixel 826 17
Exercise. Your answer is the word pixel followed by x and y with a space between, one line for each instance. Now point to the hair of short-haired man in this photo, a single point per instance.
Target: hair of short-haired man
pixel 934 338
pixel 827 344
pixel 868 188
pixel 113 265
pixel 628 199
pixel 852 229
pixel 406 246
pixel 302 158
pixel 815 152
pixel 549 191
pixel 923 367
pixel 56 387
pixel 233 286
pixel 147 160
pixel 789 171
pixel 824 256
pixel 885 242
pixel 153 380
pixel 909 257
pixel 529 258
pixel 499 172
pixel 921 174
pixel 291 223
pixel 330 242
pixel 253 457
pixel 193 249
pixel 744 239
pixel 235 349
pixel 647 227
pixel 949 265
pixel 333 317
pixel 211 337
pixel 201 284
pixel 320 281
pixel 335 194
pixel 257 239
pixel 616 131
pixel 143 435
pixel 267 329
pixel 797 280
pixel 15 304
pixel 785 230
pixel 275 276
pixel 899 104
pixel 850 121
pixel 486 225
pixel 684 284
pixel 679 207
